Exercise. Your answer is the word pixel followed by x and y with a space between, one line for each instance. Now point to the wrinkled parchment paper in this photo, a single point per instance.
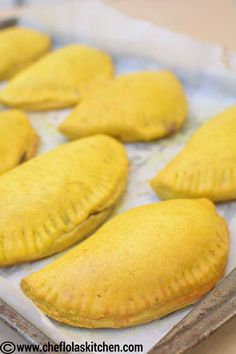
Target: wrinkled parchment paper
pixel 134 47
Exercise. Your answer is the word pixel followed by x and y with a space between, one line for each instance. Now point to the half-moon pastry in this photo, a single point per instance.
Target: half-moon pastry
pixel 138 106
pixel 19 47
pixel 57 80
pixel 56 199
pixel 206 167
pixel 141 265
pixel 18 139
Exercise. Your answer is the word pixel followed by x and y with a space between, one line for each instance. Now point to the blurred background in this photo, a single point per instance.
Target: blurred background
pixel 211 21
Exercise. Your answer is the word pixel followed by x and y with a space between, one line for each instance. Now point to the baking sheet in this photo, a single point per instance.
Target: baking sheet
pixel 206 98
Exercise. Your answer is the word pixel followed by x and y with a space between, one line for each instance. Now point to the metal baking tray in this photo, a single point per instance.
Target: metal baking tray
pixel 209 89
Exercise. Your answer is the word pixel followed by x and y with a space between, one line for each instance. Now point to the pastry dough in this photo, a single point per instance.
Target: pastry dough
pixel 139 266
pixel 138 106
pixel 19 47
pixel 56 81
pixel 56 199
pixel 206 165
pixel 18 140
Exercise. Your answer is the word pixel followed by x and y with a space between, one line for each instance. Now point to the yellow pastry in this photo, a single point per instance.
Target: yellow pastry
pixel 18 140
pixel 56 199
pixel 138 106
pixel 56 81
pixel 206 165
pixel 141 265
pixel 19 47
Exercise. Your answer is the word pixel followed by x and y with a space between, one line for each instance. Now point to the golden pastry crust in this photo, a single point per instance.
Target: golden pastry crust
pixel 18 139
pixel 141 265
pixel 138 106
pixel 19 47
pixel 57 80
pixel 56 199
pixel 206 165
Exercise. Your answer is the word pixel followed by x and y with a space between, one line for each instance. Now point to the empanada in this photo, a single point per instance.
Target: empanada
pixel 56 81
pixel 141 265
pixel 138 106
pixel 18 140
pixel 19 47
pixel 55 199
pixel 206 167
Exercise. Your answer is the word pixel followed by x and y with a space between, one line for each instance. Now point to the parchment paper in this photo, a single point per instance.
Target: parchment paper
pixel 207 95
